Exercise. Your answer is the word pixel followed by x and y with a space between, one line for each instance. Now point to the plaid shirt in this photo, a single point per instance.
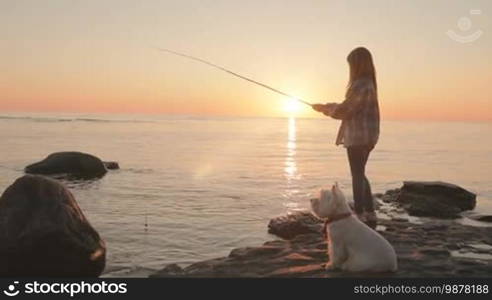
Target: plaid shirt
pixel 359 114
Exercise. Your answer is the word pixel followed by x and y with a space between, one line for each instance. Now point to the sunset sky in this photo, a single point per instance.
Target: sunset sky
pixel 98 57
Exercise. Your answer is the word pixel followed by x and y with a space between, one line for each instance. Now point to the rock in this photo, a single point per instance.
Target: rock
pixel 481 218
pixel 255 251
pixel 435 199
pixel 433 227
pixel 111 165
pixel 289 226
pixel 423 208
pixel 434 251
pixel 74 164
pixel 390 195
pixel 172 270
pixel 298 271
pixel 398 219
pixel 44 233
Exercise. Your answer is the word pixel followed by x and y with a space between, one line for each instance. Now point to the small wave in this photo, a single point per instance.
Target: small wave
pixel 53 119
pixel 111 121
pixel 11 168
pixel 140 171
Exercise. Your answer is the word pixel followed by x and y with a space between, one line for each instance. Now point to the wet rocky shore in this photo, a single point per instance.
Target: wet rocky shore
pixel 425 246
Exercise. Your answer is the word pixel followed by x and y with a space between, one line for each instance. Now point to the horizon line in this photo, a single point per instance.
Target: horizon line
pixel 6 114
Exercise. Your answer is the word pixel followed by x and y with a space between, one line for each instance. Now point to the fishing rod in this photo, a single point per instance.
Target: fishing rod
pixel 233 73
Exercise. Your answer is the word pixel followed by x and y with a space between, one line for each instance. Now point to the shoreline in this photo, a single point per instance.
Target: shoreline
pixel 425 246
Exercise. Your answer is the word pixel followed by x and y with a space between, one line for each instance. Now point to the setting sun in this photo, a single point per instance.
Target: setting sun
pixel 292 105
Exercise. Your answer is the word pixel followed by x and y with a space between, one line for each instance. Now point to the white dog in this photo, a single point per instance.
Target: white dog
pixel 352 245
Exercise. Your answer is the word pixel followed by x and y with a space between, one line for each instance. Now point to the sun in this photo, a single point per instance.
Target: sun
pixel 292 106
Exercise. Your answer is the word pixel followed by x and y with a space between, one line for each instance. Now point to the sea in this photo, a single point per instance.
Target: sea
pixel 193 188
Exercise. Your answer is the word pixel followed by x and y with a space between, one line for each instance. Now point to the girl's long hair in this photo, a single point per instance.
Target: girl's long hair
pixel 361 66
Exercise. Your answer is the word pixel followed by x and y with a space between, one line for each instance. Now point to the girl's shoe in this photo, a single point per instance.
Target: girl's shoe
pixel 371 219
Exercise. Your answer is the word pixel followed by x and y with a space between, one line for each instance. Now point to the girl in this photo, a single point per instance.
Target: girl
pixel 359 130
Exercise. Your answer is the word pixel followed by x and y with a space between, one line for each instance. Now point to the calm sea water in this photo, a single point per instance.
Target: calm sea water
pixel 207 185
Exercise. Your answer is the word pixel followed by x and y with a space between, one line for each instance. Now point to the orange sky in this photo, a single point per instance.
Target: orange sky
pixel 97 56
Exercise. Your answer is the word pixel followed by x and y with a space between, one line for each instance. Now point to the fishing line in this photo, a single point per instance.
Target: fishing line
pixel 232 73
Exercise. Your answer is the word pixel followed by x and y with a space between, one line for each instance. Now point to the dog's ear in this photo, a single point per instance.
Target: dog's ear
pixel 338 194
pixel 335 190
pixel 334 203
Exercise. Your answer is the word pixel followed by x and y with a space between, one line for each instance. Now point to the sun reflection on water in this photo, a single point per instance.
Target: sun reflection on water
pixel 290 167
pixel 290 159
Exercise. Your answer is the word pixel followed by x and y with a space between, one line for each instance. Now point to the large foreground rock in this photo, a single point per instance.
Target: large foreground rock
pixel 43 232
pixel 432 199
pixel 74 164
pixel 438 249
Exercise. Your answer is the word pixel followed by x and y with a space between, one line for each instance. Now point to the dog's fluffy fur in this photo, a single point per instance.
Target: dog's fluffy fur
pixel 352 245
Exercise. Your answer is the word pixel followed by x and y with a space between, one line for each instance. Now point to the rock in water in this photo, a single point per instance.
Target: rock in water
pixel 73 164
pixel 482 218
pixel 111 165
pixel 291 225
pixel 43 232
pixel 435 199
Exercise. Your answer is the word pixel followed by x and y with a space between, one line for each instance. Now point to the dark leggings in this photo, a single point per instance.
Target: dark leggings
pixel 358 156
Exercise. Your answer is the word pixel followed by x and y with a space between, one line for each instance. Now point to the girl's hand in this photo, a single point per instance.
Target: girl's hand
pixel 326 109
pixel 318 107
pixel 329 107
